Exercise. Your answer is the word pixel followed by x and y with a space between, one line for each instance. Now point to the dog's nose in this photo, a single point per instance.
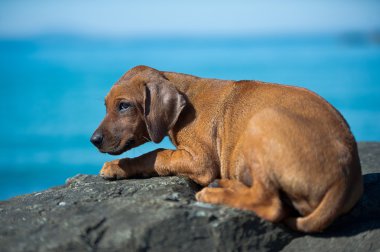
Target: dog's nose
pixel 97 139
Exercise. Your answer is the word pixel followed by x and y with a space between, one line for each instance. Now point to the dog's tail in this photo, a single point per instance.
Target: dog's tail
pixel 335 202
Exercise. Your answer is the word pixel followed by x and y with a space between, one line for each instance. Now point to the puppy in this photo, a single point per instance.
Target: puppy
pixel 280 151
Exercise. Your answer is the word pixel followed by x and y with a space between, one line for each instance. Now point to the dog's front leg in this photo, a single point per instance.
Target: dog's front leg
pixel 162 162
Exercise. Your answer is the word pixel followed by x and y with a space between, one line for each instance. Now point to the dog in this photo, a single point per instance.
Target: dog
pixel 280 151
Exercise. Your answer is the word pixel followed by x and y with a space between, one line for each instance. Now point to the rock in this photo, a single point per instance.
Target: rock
pixel 369 153
pixel 161 214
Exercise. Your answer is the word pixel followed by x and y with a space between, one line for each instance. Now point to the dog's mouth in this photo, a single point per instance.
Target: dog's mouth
pixel 129 144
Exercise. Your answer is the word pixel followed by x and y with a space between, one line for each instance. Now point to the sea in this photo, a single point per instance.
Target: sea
pixel 52 89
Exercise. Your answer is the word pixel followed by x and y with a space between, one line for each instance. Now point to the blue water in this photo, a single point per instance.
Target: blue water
pixel 52 90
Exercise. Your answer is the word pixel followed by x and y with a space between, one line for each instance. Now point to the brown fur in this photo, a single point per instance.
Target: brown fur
pixel 276 149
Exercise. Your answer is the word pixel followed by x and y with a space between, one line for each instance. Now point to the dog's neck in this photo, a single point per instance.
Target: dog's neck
pixel 198 85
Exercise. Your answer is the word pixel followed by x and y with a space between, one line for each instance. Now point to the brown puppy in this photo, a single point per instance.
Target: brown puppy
pixel 276 149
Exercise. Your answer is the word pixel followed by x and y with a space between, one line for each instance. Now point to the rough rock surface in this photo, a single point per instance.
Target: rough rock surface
pixel 161 214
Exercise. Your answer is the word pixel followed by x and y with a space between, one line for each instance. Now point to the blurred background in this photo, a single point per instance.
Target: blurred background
pixel 59 59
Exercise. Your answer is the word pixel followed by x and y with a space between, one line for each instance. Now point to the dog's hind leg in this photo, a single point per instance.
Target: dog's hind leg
pixel 263 201
pixel 325 213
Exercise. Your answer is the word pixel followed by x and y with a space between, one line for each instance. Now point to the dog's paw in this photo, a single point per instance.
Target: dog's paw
pixel 199 196
pixel 112 171
pixel 214 195
pixel 205 195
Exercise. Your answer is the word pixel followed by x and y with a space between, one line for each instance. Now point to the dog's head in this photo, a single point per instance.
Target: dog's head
pixel 142 106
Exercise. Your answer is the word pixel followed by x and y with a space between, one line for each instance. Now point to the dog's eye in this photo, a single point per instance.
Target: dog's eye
pixel 123 106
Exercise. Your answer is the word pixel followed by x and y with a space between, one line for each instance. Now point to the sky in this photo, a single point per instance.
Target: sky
pixel 23 18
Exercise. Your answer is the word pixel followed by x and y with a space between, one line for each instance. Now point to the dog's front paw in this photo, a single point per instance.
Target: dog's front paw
pixel 112 170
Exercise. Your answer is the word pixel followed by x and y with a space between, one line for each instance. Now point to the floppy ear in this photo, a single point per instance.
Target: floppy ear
pixel 162 106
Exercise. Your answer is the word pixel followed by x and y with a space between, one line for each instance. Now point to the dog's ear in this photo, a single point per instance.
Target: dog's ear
pixel 162 107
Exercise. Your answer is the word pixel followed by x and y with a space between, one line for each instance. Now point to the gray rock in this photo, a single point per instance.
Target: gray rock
pixel 161 214
pixel 369 153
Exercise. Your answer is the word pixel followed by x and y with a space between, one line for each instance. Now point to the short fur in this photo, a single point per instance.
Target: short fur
pixel 280 151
